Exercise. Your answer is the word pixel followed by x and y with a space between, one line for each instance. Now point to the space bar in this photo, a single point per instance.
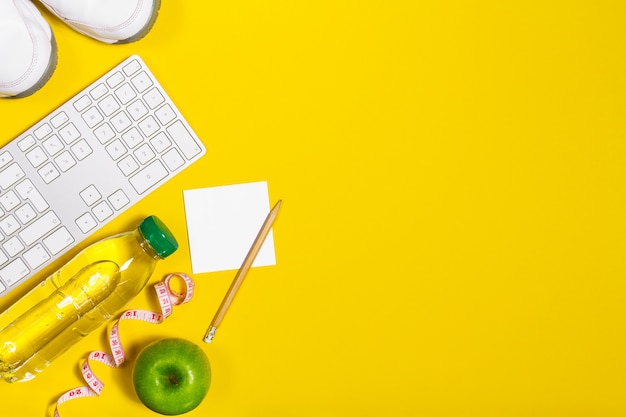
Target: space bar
pixel 39 228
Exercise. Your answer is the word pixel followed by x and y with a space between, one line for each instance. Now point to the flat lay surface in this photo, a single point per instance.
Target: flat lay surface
pixel 451 238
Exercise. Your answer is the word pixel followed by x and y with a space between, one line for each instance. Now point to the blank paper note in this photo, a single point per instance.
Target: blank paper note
pixel 222 223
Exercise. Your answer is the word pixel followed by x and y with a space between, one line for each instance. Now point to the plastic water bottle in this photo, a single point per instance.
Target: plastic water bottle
pixel 91 288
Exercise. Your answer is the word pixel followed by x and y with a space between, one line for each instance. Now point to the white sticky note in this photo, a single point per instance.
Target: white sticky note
pixel 222 223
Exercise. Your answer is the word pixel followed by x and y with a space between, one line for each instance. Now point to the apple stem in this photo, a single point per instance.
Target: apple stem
pixel 173 379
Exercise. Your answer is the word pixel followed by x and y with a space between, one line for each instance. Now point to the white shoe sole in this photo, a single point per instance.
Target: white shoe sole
pixel 147 28
pixel 52 64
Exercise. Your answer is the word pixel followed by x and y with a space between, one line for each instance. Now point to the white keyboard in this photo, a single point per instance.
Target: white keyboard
pixel 85 163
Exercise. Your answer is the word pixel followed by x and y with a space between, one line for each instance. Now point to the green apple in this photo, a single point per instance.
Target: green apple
pixel 171 376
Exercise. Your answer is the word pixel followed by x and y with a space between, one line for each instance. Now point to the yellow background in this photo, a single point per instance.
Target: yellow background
pixel 453 231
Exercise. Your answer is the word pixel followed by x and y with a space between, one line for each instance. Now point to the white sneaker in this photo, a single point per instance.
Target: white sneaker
pixel 109 21
pixel 28 54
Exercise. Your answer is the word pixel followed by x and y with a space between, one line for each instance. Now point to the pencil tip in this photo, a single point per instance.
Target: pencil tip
pixel 275 209
pixel 210 335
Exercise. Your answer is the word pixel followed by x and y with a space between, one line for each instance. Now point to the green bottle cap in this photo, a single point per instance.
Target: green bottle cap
pixel 158 236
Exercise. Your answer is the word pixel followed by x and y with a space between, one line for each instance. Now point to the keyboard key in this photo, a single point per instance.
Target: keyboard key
pixel 81 149
pixel 115 79
pixel 69 133
pixel 14 271
pixel 37 157
pixel 65 161
pixel 26 213
pixel 173 160
pixel 183 139
pixel 82 103
pixel 137 110
pixel 118 199
pixel 132 138
pixel 3 258
pixel 153 98
pixel 43 131
pixel 58 240
pixel 26 143
pixel 5 158
pixel 109 105
pixel 116 149
pixel 144 154
pixel 125 93
pixel 39 228
pixel 90 195
pixel 141 82
pixel 98 91
pixel 49 173
pixel 59 120
pixel 10 176
pixel 160 142
pixel 102 211
pixel 104 133
pixel 121 122
pixel 27 191
pixel 149 126
pixel 132 67
pixel 36 256
pixel 9 225
pixel 9 200
pixel 128 165
pixel 148 177
pixel 86 222
pixel 92 117
pixel 165 114
pixel 53 145
pixel 13 246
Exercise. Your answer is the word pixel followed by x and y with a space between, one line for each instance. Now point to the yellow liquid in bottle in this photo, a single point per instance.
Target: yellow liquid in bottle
pixel 42 323
pixel 54 323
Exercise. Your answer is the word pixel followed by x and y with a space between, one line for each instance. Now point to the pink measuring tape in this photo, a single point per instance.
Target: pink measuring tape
pixel 168 298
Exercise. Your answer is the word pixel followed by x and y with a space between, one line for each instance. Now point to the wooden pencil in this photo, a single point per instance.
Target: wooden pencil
pixel 241 273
